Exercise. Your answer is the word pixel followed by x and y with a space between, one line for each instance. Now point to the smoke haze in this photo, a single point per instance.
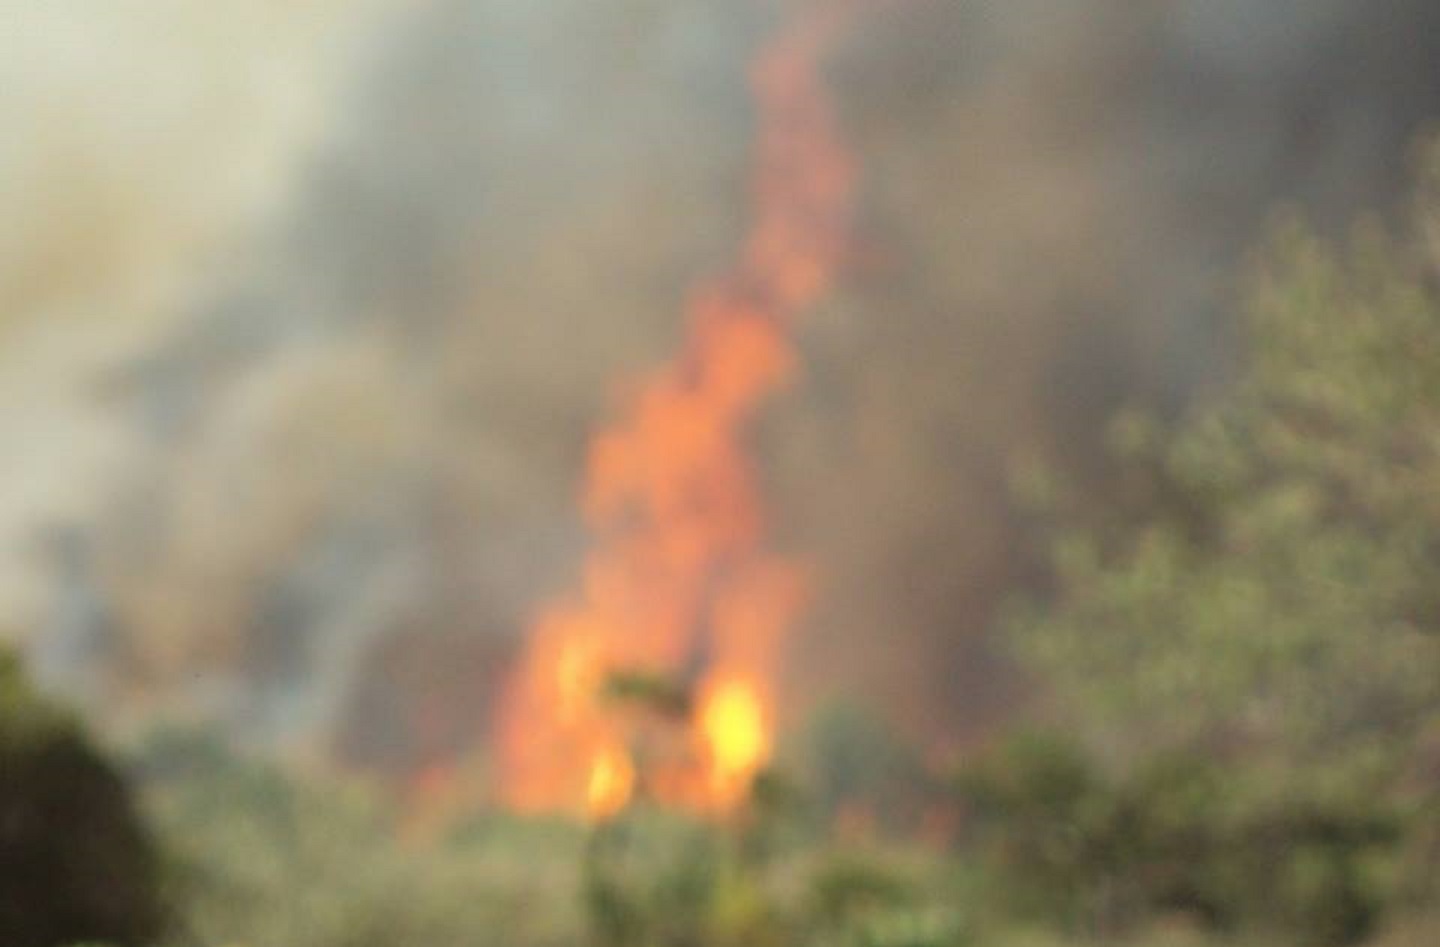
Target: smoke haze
pixel 309 310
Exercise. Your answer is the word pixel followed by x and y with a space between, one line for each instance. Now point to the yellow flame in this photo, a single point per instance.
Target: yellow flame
pixel 732 724
pixel 612 780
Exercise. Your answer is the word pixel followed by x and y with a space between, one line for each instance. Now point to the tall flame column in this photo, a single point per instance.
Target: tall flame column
pixel 679 565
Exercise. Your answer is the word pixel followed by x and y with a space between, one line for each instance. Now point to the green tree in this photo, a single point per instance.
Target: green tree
pixel 1270 600
pixel 75 861
pixel 1281 593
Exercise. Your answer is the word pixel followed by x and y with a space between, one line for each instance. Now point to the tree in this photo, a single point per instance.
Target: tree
pixel 1269 600
pixel 1279 591
pixel 75 862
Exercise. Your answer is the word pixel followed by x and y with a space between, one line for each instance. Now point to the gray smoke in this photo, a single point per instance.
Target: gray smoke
pixel 358 453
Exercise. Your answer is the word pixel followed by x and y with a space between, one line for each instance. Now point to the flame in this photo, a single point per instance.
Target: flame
pixel 611 781
pixel 733 725
pixel 679 574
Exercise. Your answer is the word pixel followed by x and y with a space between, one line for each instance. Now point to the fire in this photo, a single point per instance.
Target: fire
pixel 611 781
pixel 737 739
pixel 680 576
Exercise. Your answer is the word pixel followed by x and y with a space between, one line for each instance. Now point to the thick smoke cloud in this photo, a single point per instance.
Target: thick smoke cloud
pixel 1062 201
pixel 136 138
pixel 353 460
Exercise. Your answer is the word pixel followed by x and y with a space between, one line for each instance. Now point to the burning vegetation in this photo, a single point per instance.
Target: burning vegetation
pixel 376 677
pixel 681 581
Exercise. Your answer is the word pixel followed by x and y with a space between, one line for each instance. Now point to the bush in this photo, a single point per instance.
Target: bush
pixel 260 856
pixel 1179 835
pixel 75 862
pixel 1249 643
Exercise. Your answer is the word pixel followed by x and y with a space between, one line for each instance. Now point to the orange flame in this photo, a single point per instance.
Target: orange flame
pixel 679 569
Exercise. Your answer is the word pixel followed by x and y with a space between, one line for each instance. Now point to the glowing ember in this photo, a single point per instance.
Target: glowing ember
pixel 679 575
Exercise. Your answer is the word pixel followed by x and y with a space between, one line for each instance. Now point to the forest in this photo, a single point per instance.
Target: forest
pixel 1233 734
pixel 895 473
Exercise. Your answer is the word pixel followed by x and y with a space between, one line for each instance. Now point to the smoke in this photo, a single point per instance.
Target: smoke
pixel 1060 203
pixel 139 139
pixel 356 441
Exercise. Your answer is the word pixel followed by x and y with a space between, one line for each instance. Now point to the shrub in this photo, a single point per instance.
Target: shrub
pixel 75 862
pixel 1179 835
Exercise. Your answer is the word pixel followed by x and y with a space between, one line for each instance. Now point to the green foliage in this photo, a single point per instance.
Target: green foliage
pixel 1041 818
pixel 852 757
pixel 651 878
pixel 261 857
pixel 659 879
pixel 1178 835
pixel 1279 590
pixel 75 862
pixel 848 887
pixel 1246 654
pixel 660 693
